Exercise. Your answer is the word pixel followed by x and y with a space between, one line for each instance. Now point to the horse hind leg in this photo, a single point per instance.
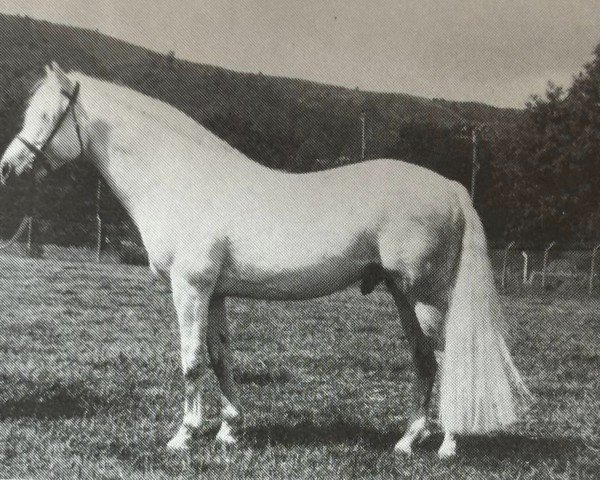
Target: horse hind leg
pixel 424 363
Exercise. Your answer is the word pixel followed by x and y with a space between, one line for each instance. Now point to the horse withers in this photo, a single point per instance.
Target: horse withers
pixel 216 224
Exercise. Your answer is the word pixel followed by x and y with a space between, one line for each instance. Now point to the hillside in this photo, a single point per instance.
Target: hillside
pixel 213 95
pixel 283 123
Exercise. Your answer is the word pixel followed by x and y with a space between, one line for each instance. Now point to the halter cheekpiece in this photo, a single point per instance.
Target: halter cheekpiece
pixel 40 155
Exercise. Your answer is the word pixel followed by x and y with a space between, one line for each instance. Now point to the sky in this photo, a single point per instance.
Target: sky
pixel 494 51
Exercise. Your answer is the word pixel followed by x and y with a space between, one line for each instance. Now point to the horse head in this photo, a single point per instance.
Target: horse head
pixel 50 136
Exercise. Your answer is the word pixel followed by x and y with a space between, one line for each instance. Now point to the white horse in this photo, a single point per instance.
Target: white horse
pixel 216 224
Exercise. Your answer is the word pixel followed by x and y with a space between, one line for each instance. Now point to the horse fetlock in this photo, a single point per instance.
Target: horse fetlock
pixel 192 420
pixel 231 415
pixel 423 436
pixel 192 370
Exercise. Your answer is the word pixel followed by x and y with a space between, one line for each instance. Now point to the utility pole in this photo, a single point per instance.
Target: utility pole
pixel 99 232
pixel 363 138
pixel 475 138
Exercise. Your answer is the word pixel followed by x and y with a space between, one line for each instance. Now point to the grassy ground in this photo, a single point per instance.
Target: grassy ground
pixel 90 385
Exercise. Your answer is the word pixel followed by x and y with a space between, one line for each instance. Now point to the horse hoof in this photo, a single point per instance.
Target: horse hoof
pixel 447 451
pixel 225 436
pixel 403 448
pixel 181 441
pixel 226 440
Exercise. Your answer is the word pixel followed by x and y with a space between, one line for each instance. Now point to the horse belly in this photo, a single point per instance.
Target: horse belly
pixel 295 273
pixel 284 285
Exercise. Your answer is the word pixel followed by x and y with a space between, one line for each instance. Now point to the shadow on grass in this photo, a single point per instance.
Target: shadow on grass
pixel 307 432
pixel 475 447
pixel 57 400
pixel 475 451
pixel 519 446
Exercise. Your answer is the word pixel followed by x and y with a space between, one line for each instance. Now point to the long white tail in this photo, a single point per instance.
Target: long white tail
pixel 479 379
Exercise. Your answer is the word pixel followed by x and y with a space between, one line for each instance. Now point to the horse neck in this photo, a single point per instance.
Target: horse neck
pixel 155 165
pixel 136 163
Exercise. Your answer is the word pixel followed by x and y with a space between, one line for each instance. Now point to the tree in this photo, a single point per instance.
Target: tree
pixel 548 172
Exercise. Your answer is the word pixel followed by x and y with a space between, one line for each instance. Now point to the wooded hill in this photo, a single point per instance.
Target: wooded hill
pixel 284 123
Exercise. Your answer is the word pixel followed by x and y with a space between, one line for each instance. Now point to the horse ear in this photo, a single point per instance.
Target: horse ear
pixel 48 69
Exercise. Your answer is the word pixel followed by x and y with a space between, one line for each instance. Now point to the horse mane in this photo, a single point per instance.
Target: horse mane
pixel 161 112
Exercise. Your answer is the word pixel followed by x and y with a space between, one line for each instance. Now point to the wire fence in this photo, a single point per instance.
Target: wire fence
pixel 73 241
pixel 550 268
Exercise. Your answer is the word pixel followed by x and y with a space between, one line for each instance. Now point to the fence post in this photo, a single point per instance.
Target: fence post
pixel 525 266
pixel 592 274
pixel 29 235
pixel 505 263
pixel 546 263
pixel 99 231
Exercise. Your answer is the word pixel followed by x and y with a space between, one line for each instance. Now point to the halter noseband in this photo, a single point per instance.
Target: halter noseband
pixel 39 153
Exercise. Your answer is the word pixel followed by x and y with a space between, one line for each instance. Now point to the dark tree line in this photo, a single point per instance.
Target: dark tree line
pixel 547 169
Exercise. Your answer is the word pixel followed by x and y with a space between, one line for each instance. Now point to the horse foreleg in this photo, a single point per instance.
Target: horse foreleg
pixel 422 352
pixel 191 304
pixel 219 351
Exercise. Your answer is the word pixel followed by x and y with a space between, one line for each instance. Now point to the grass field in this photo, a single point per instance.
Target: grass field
pixel 90 385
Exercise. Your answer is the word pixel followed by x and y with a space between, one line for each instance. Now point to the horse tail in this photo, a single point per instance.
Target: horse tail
pixel 480 382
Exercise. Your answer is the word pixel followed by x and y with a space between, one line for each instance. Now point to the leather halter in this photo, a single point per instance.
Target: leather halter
pixel 39 153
